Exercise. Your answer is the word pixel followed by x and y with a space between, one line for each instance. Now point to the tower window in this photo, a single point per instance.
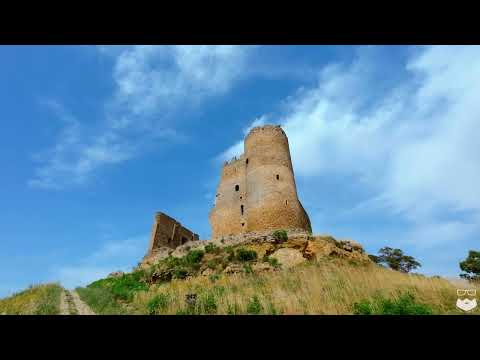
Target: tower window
pixel 237 187
pixel 243 224
pixel 241 209
pixel 278 177
pixel 246 161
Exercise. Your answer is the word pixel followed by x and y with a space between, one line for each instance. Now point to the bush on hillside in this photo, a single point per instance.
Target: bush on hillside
pixel 403 305
pixel 280 235
pixel 246 255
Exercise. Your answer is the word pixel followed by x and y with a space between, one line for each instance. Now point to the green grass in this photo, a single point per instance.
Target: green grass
pixel 405 304
pixel 101 300
pixel 36 300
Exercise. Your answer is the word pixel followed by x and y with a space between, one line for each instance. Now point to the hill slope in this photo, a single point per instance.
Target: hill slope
pixel 36 300
pixel 315 276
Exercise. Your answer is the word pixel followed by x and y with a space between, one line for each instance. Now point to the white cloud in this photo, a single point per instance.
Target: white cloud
pixel 112 256
pixel 150 82
pixel 414 146
pixel 237 149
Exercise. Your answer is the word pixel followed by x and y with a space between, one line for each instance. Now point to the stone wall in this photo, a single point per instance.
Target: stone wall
pixel 257 191
pixel 168 232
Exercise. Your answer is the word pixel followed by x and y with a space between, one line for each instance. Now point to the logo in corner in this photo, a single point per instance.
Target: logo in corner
pixel 464 302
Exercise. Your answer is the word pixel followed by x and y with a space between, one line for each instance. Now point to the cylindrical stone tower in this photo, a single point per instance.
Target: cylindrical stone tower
pixel 257 192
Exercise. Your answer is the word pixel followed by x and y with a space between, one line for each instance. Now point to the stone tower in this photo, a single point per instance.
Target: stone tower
pixel 257 191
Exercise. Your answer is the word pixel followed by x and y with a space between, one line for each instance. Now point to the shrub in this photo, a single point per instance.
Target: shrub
pixel 254 307
pixel 246 255
pixel 214 277
pixel 403 305
pixel 272 261
pixel 208 304
pixel 212 264
pixel 158 304
pixel 180 273
pixel 231 253
pixel 247 268
pixel 212 249
pixel 194 257
pixel 280 235
pixel 127 285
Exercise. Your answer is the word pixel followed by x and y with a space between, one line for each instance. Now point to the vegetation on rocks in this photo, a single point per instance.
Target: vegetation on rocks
pixel 321 286
pixel 280 235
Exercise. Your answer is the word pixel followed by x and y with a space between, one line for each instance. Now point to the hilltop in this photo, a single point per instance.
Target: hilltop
pixel 278 274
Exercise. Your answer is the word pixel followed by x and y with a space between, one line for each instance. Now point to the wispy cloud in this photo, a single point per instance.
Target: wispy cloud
pixel 112 256
pixel 237 148
pixel 151 84
pixel 412 146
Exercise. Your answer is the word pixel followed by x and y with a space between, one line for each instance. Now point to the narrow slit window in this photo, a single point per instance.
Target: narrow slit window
pixel 278 177
pixel 246 161
pixel 241 209
pixel 237 187
pixel 286 202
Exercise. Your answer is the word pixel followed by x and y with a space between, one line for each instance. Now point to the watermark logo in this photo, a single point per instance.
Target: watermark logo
pixel 464 301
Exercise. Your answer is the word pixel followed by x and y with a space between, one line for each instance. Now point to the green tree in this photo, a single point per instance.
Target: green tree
pixel 395 259
pixel 471 266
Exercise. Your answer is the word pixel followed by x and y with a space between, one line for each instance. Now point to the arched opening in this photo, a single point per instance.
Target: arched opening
pixel 278 177
pixel 237 187
pixel 241 209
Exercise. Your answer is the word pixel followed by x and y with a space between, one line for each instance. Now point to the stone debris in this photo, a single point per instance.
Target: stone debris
pixel 116 274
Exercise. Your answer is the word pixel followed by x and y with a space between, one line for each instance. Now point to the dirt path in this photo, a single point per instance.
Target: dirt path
pixel 82 308
pixel 64 304
pixel 71 304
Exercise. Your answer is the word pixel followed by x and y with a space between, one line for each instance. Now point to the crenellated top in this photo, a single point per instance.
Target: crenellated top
pixel 233 160
pixel 265 128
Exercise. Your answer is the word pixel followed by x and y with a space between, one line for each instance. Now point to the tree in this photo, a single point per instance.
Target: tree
pixel 396 260
pixel 375 259
pixel 471 266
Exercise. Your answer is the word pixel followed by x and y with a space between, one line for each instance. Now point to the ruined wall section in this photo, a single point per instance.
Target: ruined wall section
pixel 168 232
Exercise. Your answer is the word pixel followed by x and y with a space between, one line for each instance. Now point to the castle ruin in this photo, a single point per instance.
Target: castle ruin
pixel 257 191
pixel 168 232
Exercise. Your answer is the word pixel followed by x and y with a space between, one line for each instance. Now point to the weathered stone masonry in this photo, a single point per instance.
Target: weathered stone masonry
pixel 168 232
pixel 257 191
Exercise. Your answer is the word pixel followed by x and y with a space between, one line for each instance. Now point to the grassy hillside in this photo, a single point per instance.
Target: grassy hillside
pixel 325 285
pixel 36 300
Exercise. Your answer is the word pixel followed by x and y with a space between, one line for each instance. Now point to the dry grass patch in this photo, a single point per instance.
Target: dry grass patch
pixel 36 300
pixel 327 287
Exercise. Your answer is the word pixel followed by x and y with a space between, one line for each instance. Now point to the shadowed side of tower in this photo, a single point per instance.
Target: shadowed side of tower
pixel 257 192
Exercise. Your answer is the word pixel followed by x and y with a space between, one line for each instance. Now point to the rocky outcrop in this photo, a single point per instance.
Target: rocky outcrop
pixel 288 257
pixel 116 274
pixel 299 248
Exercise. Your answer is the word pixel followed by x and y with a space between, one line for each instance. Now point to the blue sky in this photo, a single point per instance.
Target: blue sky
pixel 95 139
